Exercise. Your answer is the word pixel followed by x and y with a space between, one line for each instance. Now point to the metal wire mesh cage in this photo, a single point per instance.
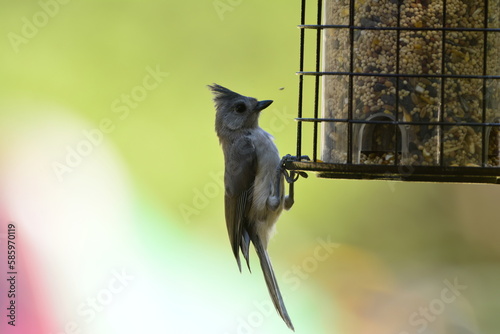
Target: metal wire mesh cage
pixel 401 89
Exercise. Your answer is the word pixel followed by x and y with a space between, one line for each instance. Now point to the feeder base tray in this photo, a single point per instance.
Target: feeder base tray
pixel 398 173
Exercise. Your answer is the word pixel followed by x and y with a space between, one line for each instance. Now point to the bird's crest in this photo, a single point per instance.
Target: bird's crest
pixel 222 93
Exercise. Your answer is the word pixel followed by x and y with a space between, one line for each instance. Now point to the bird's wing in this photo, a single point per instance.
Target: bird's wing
pixel 240 171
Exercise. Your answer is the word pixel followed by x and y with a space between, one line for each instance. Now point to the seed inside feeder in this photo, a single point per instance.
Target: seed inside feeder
pixel 415 75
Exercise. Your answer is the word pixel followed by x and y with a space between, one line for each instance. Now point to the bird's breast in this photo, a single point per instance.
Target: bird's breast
pixel 265 180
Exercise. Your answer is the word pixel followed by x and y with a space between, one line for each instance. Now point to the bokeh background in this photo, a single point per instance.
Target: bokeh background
pixel 110 171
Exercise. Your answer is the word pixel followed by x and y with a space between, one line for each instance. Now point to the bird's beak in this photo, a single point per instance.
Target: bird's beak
pixel 261 105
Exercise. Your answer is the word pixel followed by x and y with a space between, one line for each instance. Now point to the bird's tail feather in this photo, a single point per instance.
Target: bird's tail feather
pixel 245 244
pixel 272 284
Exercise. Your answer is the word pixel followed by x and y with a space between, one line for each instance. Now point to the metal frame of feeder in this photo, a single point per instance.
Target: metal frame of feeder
pixel 352 170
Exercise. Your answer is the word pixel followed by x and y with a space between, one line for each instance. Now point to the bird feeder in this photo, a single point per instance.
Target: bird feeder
pixel 400 89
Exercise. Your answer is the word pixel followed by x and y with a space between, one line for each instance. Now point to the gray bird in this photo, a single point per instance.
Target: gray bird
pixel 253 179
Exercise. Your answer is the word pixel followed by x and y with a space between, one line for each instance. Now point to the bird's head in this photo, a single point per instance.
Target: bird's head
pixel 234 111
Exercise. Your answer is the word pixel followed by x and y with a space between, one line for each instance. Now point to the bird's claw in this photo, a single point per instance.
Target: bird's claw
pixel 292 176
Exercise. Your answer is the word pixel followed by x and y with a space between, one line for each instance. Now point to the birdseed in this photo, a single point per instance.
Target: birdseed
pixel 421 100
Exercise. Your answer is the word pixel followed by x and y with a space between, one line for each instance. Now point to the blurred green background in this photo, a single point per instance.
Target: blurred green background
pixel 395 243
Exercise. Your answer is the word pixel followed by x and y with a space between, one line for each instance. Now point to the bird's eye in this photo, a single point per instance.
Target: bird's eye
pixel 240 108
